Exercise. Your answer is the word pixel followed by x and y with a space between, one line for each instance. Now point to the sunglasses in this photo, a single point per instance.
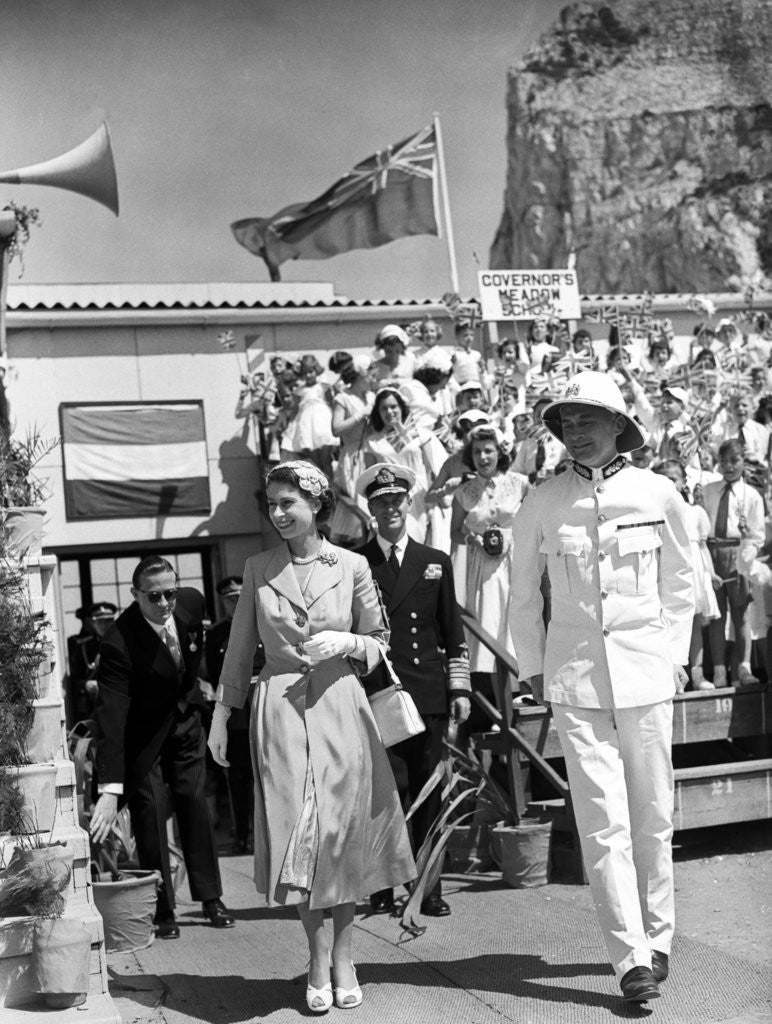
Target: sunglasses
pixel 154 596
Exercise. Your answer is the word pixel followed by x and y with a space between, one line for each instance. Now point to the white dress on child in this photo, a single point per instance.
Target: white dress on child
pixel 698 527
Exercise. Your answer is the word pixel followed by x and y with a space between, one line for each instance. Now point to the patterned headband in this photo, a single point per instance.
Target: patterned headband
pixel 310 477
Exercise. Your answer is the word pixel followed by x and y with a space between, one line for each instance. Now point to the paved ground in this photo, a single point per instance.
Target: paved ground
pixel 528 956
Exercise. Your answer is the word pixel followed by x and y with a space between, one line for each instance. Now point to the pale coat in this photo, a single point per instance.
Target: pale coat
pixel 622 602
pixel 322 715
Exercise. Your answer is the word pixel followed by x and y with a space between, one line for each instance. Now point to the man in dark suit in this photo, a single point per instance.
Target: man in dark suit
pixel 149 734
pixel 427 647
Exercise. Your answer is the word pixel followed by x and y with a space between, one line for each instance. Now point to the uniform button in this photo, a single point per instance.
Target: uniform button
pixel 414 615
pixel 600 488
pixel 413 629
pixel 416 661
pixel 415 647
pixel 601 555
pixel 601 519
pixel 606 631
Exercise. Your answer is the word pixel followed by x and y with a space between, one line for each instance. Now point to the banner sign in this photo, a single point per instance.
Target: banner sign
pixel 128 459
pixel 526 294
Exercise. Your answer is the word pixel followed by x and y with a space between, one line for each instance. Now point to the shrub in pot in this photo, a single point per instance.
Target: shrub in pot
pixel 22 494
pixel 24 647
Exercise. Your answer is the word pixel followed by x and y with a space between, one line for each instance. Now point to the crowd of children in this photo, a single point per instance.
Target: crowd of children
pixel 415 401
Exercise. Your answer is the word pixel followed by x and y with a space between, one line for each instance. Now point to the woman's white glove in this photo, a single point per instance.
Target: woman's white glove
pixel 330 643
pixel 218 734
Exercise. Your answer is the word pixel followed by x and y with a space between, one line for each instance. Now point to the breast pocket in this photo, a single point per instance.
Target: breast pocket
pixel 567 562
pixel 637 563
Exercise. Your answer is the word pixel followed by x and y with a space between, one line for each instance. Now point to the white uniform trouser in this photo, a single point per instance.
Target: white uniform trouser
pixel 620 771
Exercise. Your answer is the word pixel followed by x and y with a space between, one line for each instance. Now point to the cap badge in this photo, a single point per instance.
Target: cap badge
pixel 571 390
pixel 385 476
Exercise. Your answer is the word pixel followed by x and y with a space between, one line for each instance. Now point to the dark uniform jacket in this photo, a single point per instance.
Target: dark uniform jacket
pixel 82 651
pixel 140 689
pixel 424 620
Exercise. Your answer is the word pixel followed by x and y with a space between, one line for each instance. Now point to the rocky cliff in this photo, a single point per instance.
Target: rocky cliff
pixel 640 137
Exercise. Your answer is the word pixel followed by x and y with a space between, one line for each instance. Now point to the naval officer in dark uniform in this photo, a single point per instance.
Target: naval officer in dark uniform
pixel 428 648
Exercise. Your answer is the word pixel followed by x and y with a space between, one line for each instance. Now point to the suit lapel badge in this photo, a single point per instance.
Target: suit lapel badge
pixel 433 571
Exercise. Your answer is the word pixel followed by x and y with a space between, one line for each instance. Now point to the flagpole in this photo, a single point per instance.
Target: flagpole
pixel 445 204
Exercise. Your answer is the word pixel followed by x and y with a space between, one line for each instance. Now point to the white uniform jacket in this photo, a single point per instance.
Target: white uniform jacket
pixel 615 545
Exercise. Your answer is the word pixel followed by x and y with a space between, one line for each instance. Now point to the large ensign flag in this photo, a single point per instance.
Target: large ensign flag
pixel 526 294
pixel 128 459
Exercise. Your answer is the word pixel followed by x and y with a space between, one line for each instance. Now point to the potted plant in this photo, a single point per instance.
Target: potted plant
pixel 24 715
pixel 124 894
pixel 35 884
pixel 471 795
pixel 22 493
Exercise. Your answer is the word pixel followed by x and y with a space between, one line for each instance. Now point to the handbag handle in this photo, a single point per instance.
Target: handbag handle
pixel 389 667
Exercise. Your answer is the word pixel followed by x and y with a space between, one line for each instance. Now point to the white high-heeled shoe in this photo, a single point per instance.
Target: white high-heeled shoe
pixel 348 998
pixel 319 1000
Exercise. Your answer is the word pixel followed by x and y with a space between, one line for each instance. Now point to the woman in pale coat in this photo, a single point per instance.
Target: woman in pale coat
pixel 328 826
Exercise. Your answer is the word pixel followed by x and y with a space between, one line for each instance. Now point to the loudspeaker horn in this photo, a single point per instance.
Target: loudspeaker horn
pixel 88 169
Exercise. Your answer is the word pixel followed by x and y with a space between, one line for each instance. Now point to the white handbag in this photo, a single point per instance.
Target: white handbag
pixel 394 710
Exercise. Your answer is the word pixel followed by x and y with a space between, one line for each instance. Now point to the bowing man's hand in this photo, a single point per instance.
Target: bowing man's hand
pixel 103 817
pixel 330 643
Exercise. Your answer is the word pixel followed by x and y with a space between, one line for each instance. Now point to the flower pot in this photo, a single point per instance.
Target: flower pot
pixel 61 953
pixel 127 908
pixel 45 737
pixel 468 849
pixel 37 784
pixel 524 852
pixel 23 530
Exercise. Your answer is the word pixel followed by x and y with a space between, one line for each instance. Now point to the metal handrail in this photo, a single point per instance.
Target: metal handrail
pixel 508 670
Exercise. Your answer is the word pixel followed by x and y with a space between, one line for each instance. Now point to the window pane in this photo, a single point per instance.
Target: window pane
pixel 102 570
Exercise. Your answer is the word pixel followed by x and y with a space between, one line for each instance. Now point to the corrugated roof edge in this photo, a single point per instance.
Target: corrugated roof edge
pixel 245 296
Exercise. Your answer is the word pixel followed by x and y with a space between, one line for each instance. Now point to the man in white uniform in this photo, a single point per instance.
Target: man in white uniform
pixel 613 539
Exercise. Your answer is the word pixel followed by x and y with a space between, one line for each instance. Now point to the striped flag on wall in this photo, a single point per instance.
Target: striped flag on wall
pixel 128 459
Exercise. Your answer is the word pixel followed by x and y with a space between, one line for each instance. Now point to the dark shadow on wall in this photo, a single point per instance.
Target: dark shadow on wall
pixel 239 512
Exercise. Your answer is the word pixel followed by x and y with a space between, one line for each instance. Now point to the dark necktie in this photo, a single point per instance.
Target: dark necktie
pixel 393 560
pixel 722 513
pixel 741 437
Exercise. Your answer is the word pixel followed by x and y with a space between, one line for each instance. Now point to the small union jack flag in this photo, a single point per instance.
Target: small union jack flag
pixel 227 340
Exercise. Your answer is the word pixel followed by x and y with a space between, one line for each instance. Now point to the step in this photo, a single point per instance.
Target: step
pixel 719 794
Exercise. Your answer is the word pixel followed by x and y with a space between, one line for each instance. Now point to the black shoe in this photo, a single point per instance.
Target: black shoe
pixel 166 927
pixel 382 902
pixel 638 985
pixel 218 915
pixel 660 966
pixel 435 906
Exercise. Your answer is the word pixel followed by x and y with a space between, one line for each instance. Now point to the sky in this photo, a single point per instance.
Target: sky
pixel 223 109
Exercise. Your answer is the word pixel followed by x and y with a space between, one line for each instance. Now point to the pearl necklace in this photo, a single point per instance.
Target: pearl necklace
pixel 310 559
pixel 304 561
